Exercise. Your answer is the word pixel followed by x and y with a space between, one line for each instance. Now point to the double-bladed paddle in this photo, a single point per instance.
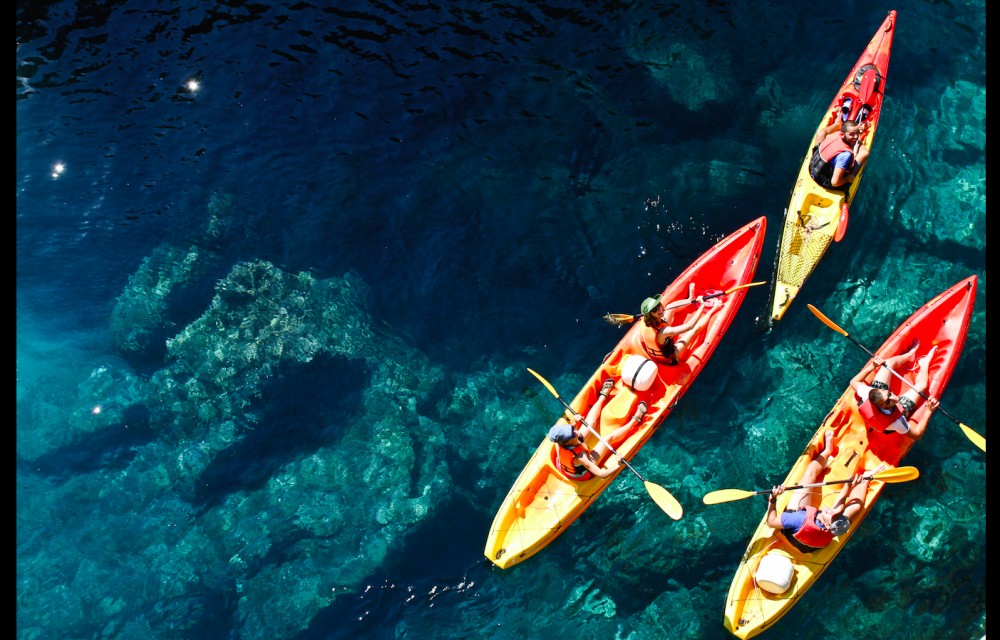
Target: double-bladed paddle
pixel 619 319
pixel 660 496
pixel 900 474
pixel 976 439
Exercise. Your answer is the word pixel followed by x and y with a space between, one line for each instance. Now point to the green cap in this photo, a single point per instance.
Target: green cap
pixel 649 304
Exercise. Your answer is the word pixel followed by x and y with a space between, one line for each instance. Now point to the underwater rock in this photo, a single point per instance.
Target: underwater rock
pixel 140 313
pixel 104 398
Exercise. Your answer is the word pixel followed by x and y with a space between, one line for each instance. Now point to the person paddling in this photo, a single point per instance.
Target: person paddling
pixel 574 458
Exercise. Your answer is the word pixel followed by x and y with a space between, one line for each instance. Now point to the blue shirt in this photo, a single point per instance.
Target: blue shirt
pixel 793 521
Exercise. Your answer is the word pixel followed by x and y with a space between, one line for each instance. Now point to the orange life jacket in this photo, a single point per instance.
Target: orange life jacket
pixel 832 146
pixel 666 353
pixel 566 458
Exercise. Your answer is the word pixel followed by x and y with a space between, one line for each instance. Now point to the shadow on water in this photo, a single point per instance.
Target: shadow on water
pixel 303 410
pixel 110 448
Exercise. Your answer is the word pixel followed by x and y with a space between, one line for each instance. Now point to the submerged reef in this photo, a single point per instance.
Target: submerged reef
pixel 141 312
pixel 285 440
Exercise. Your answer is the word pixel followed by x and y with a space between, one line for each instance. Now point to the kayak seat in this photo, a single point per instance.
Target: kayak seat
pixel 816 201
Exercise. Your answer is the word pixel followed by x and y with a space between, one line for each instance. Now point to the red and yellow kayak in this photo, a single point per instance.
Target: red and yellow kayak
pixel 816 216
pixel 543 501
pixel 752 606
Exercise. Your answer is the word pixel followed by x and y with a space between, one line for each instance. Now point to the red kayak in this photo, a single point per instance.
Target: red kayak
pixel 544 501
pixel 773 574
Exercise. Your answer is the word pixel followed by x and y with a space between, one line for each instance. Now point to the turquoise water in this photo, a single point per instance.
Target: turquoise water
pixel 273 327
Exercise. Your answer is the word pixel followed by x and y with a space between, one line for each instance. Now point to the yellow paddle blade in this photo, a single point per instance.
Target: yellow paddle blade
pixel 977 439
pixel 726 495
pixel 900 474
pixel 665 500
pixel 548 386
pixel 828 322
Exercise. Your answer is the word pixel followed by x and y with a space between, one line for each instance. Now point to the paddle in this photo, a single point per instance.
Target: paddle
pixel 619 319
pixel 866 90
pixel 901 474
pixel 976 439
pixel 660 496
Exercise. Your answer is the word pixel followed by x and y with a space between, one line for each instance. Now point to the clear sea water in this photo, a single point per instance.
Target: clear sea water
pixel 281 268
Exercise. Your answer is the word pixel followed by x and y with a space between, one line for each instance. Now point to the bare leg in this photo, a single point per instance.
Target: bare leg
pixel 923 372
pixel 620 434
pixel 856 498
pixel 920 385
pixel 681 342
pixel 594 415
pixel 898 361
pixel 811 474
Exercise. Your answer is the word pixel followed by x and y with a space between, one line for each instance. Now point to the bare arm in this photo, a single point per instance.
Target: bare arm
pixel 840 177
pixel 598 471
pixel 679 329
pixel 827 130
pixel 859 380
pixel 773 519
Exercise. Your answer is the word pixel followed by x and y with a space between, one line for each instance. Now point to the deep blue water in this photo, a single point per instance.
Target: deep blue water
pixel 273 328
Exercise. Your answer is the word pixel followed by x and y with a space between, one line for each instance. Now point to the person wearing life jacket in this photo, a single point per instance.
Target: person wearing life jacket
pixel 663 342
pixel 838 155
pixel 882 410
pixel 805 524
pixel 572 456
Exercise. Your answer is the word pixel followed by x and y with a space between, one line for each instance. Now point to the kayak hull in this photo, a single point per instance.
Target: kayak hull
pixel 816 217
pixel 543 502
pixel 943 322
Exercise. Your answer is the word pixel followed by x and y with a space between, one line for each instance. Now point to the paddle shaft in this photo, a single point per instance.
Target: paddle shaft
pixel 681 303
pixel 621 318
pixel 808 486
pixel 900 474
pixel 583 421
